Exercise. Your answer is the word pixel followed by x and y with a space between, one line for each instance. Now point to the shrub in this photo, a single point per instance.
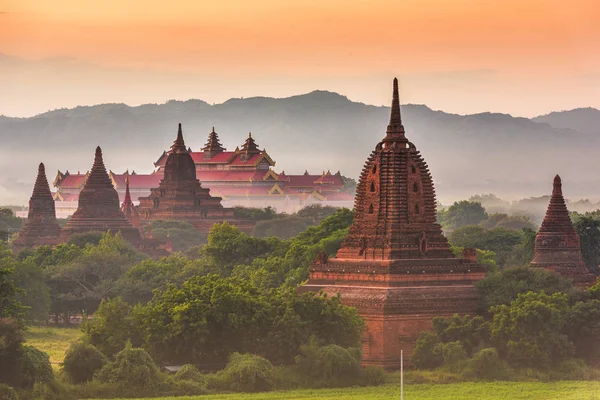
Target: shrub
pixel 244 373
pixel 453 353
pixel 426 353
pixel 372 376
pixel 133 368
pixel 82 361
pixel 35 367
pixel 330 365
pixel 11 337
pixel 487 365
pixel 188 373
pixel 7 393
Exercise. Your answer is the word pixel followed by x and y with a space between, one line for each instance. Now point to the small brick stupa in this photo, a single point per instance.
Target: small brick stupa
pixel 127 207
pixel 557 245
pixel 98 208
pixel 41 227
pixel 395 265
pixel 180 196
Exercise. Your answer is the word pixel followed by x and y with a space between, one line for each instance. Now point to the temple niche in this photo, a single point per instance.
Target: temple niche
pixel 179 194
pixel 557 246
pixel 98 207
pixel 41 227
pixel 395 265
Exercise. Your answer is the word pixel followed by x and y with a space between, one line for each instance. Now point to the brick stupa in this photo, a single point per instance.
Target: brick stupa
pixel 41 227
pixel 127 207
pixel 98 208
pixel 557 246
pixel 180 196
pixel 395 265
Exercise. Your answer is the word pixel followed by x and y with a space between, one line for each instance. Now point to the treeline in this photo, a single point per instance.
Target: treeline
pixel 505 241
pixel 229 306
pixel 532 326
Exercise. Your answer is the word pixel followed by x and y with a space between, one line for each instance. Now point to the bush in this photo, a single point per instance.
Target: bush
pixel 372 376
pixel 188 373
pixel 11 338
pixel 132 368
pixel 82 361
pixel 7 393
pixel 487 365
pixel 329 366
pixel 244 373
pixel 426 353
pixel 453 353
pixel 35 367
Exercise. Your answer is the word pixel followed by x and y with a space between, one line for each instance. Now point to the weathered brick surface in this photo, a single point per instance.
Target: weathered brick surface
pixel 395 266
pixel 180 196
pixel 557 246
pixel 98 208
pixel 41 227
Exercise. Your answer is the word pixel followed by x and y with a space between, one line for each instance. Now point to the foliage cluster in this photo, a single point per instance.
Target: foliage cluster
pixel 536 321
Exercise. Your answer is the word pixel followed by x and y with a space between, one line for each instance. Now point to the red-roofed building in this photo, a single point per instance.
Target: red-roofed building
pixel 243 177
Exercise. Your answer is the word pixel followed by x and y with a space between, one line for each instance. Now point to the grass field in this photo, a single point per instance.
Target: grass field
pixel 455 391
pixel 54 341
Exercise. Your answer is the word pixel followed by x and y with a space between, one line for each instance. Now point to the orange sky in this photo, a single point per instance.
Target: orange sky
pixel 523 57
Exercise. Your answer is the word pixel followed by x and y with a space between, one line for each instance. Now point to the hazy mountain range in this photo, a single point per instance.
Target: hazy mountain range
pixel 467 154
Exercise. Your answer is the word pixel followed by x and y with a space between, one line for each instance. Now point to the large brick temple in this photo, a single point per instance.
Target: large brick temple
pixel 41 227
pixel 395 265
pixel 557 246
pixel 180 196
pixel 98 207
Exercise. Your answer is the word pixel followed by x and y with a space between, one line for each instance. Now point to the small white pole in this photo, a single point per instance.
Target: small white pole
pixel 401 375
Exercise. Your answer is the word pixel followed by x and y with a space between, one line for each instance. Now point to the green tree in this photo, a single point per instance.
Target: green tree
pixel 34 294
pixel 111 327
pixel 528 332
pixel 10 307
pixel 504 287
pixel 588 229
pixel 462 213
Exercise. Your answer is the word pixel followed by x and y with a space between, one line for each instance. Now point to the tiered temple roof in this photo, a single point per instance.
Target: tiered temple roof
pixel 41 227
pixel 98 208
pixel 557 246
pixel 243 177
pixel 395 265
pixel 179 194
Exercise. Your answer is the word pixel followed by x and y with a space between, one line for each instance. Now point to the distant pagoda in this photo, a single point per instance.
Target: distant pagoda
pixel 179 194
pixel 557 246
pixel 395 266
pixel 127 207
pixel 98 208
pixel 41 227
pixel 213 145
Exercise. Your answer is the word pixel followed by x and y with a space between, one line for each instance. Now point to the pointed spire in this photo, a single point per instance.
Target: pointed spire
pixel 557 186
pixel 395 129
pixel 127 201
pixel 41 187
pixel 213 145
pixel 179 145
pixel 250 146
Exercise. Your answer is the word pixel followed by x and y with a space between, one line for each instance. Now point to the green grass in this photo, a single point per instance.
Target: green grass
pixel 454 391
pixel 54 341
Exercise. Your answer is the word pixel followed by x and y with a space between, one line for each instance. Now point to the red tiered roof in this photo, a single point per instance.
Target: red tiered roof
pixel 137 181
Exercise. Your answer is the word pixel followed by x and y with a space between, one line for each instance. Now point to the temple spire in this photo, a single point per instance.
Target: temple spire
pixel 179 145
pixel 41 187
pixel 127 201
pixel 213 145
pixel 557 186
pixel 395 129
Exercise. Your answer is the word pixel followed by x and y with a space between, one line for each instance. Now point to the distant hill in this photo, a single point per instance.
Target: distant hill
pixel 467 154
pixel 585 120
